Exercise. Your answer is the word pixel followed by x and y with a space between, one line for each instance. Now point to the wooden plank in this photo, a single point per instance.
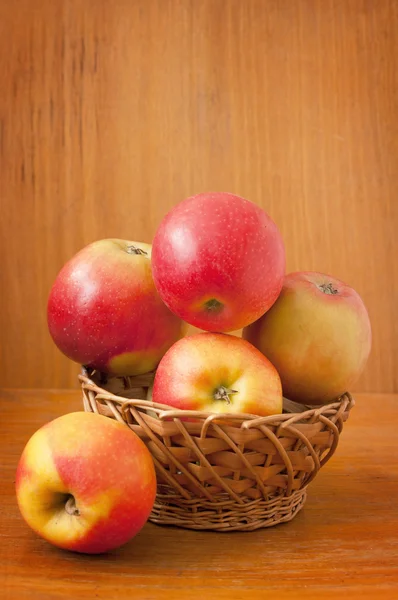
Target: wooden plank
pixel 343 543
pixel 112 112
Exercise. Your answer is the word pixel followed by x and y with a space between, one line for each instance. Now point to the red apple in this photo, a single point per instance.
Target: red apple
pixel 104 310
pixel 218 261
pixel 217 373
pixel 85 483
pixel 318 336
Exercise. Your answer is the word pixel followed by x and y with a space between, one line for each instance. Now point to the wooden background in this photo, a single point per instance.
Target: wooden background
pixel 112 112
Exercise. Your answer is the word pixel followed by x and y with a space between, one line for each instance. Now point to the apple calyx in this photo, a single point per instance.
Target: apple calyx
pixel 135 250
pixel 328 288
pixel 70 506
pixel 223 393
pixel 213 305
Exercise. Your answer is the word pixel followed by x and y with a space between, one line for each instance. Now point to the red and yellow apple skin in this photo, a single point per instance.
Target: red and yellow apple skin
pixel 85 483
pixel 218 261
pixel 318 336
pixel 104 311
pixel 217 373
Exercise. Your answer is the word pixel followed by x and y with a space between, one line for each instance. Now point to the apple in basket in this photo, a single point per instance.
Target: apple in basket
pixel 318 336
pixel 217 373
pixel 85 483
pixel 104 311
pixel 218 261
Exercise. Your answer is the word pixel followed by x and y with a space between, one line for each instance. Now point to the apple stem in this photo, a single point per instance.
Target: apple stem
pixel 327 288
pixel 135 250
pixel 222 393
pixel 71 508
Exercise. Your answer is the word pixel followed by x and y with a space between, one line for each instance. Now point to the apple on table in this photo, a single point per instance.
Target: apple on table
pixel 317 335
pixel 104 311
pixel 86 483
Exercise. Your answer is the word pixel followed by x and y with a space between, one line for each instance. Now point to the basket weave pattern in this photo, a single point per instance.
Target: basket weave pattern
pixel 223 472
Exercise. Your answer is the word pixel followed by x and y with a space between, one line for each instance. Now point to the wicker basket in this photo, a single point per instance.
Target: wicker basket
pixel 223 472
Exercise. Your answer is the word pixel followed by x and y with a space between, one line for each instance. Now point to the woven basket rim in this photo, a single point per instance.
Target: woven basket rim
pixel 247 421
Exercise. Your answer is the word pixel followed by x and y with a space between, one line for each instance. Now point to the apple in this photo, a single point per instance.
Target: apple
pixel 104 311
pixel 218 261
pixel 217 373
pixel 85 483
pixel 318 336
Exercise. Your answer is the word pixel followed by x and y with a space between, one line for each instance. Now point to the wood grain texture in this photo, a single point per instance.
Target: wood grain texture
pixel 344 543
pixel 110 113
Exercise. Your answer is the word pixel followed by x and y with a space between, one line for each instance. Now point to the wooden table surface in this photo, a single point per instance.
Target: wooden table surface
pixel 344 542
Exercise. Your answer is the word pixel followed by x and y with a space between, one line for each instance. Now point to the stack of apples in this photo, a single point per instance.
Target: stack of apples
pixel 120 307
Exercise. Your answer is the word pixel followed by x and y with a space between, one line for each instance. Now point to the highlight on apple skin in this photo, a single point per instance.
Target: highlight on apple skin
pixel 317 335
pixel 104 311
pixel 218 261
pixel 85 483
pixel 217 373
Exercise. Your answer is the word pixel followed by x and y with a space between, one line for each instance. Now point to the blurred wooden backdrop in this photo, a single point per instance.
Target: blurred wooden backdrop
pixel 112 112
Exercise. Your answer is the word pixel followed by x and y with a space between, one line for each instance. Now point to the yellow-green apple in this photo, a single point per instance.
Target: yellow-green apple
pixel 217 373
pixel 218 261
pixel 85 483
pixel 104 311
pixel 318 336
